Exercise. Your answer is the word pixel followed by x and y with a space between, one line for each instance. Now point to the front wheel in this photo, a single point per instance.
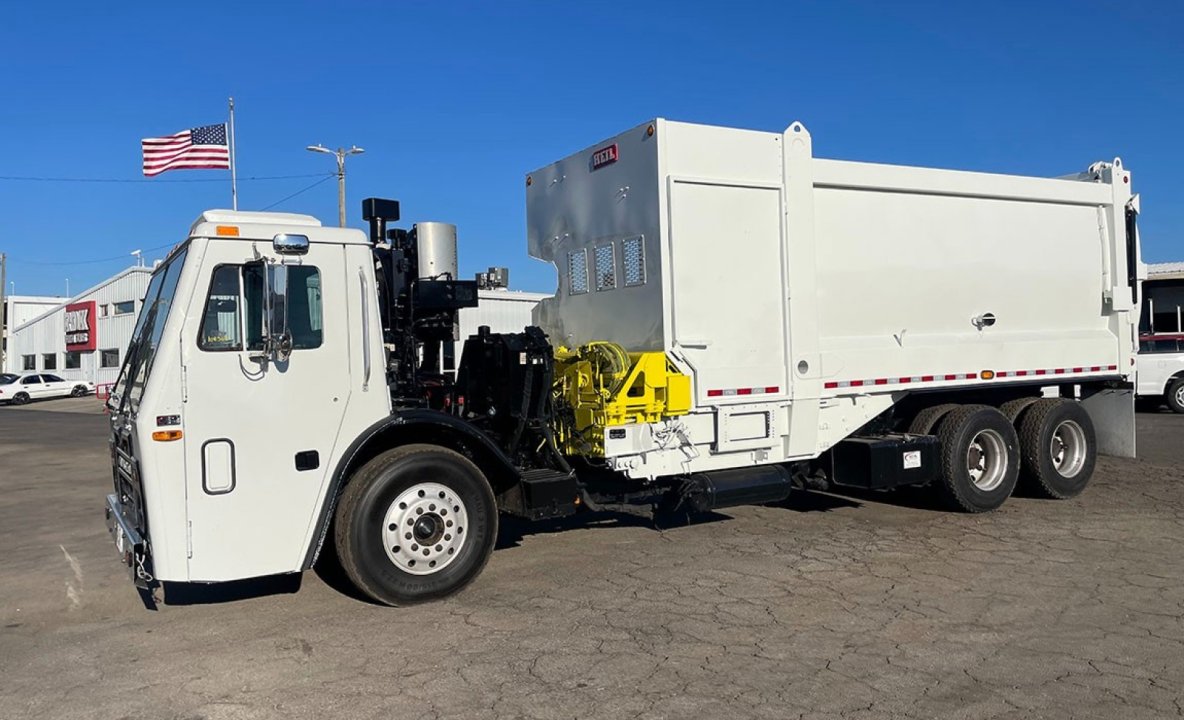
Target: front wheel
pixel 1175 395
pixel 415 523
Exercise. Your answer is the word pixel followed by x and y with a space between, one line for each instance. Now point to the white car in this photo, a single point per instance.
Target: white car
pixel 1160 370
pixel 20 389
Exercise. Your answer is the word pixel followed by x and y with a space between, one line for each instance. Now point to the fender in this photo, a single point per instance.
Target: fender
pixel 410 424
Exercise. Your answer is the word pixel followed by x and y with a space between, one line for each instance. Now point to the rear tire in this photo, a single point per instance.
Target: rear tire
pixel 1175 395
pixel 435 495
pixel 979 458
pixel 79 391
pixel 927 419
pixel 1059 449
pixel 20 398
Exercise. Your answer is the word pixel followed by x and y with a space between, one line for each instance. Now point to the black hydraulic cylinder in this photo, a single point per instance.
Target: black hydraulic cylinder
pixel 740 486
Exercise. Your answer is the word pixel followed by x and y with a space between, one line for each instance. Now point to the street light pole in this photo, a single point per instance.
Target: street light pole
pixel 341 154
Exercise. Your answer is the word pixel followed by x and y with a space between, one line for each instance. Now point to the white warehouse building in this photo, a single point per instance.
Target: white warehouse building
pixel 86 337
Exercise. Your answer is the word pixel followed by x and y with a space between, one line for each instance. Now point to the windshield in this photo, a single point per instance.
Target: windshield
pixel 146 338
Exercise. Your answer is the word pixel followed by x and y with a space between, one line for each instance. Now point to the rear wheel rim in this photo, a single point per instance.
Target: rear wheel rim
pixel 1067 449
pixel 425 528
pixel 986 460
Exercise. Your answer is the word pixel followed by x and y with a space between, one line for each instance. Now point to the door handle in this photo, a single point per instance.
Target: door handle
pixel 365 331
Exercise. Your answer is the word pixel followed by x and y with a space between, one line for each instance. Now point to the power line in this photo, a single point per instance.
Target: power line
pixel 32 178
pixel 113 258
pixel 88 262
pixel 299 192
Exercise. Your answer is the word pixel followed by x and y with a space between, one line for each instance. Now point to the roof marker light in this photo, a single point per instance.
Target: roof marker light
pixel 226 230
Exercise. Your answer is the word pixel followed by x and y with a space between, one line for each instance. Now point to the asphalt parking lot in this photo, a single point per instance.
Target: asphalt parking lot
pixel 829 607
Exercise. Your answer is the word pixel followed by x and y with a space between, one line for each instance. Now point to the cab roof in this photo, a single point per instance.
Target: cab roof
pixel 252 225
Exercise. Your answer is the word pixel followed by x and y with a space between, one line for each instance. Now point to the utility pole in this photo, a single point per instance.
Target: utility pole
pixel 341 154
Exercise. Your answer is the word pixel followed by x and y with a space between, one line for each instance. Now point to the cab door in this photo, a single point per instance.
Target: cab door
pixel 259 428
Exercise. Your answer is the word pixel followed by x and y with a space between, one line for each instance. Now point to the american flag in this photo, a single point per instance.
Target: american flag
pixel 200 147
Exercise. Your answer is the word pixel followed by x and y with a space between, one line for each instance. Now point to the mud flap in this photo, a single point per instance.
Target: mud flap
pixel 1113 413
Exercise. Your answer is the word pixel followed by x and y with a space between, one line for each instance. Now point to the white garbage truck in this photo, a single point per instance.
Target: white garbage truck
pixel 735 320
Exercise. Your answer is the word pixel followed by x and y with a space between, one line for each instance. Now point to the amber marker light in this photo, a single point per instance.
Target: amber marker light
pixel 166 435
pixel 226 231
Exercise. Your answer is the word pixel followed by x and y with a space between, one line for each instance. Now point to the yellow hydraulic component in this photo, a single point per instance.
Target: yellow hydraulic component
pixel 600 385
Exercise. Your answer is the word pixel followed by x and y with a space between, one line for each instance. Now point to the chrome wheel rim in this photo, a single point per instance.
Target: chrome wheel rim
pixel 986 460
pixel 1067 448
pixel 1180 396
pixel 425 528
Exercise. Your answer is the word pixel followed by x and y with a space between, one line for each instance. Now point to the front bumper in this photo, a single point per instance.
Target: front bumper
pixel 132 549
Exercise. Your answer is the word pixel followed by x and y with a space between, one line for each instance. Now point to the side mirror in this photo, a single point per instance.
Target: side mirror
pixel 286 244
pixel 277 340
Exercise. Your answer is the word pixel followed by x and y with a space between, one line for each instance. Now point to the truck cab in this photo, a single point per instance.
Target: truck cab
pixel 252 315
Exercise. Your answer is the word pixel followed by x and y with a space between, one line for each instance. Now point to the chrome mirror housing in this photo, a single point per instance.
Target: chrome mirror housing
pixel 288 244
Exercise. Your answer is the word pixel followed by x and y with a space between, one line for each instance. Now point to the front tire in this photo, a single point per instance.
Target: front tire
pixel 1175 395
pixel 415 523
pixel 1059 448
pixel 979 458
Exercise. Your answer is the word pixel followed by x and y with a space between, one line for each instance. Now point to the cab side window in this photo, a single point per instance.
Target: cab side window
pixel 221 326
pixel 235 307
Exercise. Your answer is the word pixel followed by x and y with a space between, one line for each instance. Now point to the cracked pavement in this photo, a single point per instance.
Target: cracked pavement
pixel 858 606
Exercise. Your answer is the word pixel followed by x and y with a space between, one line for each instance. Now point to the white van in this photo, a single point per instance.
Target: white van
pixel 1160 370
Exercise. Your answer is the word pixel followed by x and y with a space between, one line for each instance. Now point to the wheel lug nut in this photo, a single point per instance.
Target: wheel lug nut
pixel 426 552
pixel 439 548
pixel 419 511
pixel 406 536
pixel 449 523
pixel 414 547
pixel 447 537
pixel 432 507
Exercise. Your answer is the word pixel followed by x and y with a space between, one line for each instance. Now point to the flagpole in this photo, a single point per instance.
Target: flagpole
pixel 233 170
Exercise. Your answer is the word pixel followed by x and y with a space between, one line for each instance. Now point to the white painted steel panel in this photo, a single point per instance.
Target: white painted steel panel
pixel 869 281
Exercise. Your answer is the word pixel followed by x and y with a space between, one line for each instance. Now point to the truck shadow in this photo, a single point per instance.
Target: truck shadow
pixel 232 591
pixel 512 530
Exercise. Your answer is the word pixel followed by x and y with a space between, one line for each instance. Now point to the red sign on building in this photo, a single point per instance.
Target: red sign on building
pixel 80 327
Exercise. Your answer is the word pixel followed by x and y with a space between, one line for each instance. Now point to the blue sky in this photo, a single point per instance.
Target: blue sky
pixel 455 102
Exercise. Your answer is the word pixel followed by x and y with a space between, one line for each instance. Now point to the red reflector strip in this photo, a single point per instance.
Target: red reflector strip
pixel 838 384
pixel 767 390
